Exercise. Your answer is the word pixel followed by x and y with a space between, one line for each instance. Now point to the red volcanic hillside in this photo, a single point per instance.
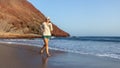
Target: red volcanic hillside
pixel 19 18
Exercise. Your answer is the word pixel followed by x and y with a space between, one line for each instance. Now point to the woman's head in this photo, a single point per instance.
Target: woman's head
pixel 48 19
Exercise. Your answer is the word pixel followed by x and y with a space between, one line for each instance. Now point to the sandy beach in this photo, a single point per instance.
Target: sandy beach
pixel 24 56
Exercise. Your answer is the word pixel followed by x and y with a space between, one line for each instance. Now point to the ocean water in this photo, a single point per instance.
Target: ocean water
pixel 97 46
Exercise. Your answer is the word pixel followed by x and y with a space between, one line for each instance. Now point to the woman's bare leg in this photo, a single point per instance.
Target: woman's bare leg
pixel 42 49
pixel 46 46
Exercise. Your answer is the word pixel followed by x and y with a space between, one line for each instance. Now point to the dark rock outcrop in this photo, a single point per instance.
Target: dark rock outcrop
pixel 21 17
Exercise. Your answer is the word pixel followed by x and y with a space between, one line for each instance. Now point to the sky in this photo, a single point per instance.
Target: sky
pixel 83 17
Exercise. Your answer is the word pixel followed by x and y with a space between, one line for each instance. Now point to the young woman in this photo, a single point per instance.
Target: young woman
pixel 46 30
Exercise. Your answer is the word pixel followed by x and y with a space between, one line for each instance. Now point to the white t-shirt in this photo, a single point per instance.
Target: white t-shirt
pixel 46 29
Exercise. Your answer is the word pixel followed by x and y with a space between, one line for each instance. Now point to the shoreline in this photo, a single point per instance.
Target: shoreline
pixel 24 56
pixel 18 36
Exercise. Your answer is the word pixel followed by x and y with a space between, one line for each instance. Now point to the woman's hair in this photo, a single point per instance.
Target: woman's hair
pixel 48 18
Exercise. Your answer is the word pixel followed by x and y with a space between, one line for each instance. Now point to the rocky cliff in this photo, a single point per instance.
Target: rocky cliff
pixel 21 18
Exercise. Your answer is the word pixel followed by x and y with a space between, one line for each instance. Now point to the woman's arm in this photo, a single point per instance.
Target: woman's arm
pixel 51 27
pixel 42 27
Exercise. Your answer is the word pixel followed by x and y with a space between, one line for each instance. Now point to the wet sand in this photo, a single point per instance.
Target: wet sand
pixel 24 56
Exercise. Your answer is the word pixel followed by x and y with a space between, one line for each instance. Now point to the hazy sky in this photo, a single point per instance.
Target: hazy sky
pixel 83 17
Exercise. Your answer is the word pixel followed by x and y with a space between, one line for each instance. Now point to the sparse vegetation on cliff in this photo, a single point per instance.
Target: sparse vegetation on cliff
pixel 21 17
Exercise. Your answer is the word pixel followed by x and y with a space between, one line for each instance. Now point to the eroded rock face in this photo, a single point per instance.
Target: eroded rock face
pixel 21 17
